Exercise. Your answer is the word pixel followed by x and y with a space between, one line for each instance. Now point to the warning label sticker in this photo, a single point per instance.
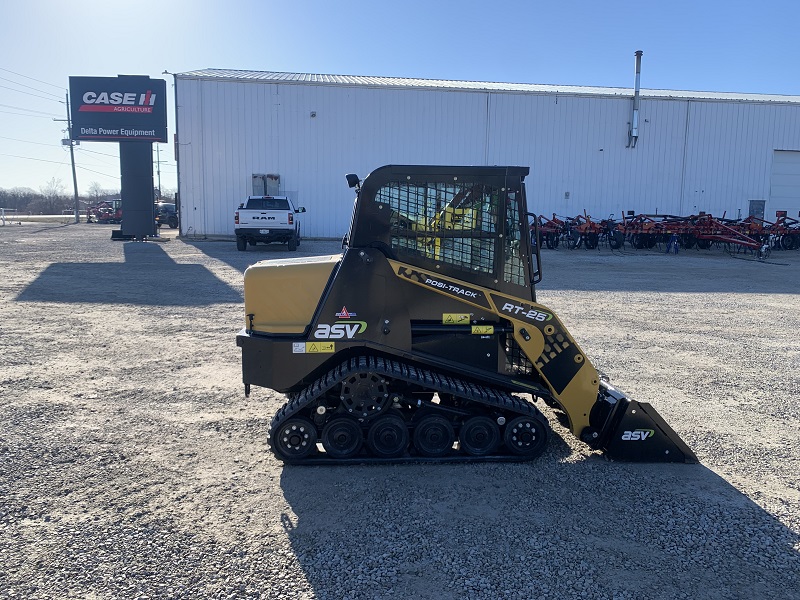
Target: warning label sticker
pixel 313 347
pixel 455 319
pixel 482 329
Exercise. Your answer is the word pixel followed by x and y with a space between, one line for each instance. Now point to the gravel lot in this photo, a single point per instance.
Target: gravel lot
pixel 132 466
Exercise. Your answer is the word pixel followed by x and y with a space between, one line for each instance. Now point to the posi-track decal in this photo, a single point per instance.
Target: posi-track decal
pixel 444 285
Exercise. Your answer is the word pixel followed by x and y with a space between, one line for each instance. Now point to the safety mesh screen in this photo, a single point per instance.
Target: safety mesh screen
pixel 516 361
pixel 455 223
pixel 513 266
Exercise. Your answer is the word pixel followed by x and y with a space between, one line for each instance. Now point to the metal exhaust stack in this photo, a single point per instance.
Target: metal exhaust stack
pixel 633 132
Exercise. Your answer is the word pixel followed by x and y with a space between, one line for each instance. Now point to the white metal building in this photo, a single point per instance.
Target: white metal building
pixel 696 151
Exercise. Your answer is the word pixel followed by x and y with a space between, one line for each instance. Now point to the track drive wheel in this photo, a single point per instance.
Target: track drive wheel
pixel 388 437
pixel 364 394
pixel 295 439
pixel 434 436
pixel 479 436
pixel 525 436
pixel 342 437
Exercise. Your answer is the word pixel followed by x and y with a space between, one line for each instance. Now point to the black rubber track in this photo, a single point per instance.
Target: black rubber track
pixel 430 380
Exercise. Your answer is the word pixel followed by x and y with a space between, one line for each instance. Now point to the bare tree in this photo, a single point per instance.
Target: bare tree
pixel 52 201
pixel 96 191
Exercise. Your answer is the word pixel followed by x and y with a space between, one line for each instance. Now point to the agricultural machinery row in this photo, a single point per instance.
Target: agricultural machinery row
pixel 644 231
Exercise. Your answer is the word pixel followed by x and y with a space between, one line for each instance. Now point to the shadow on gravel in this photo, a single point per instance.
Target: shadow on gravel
pixel 596 271
pixel 147 277
pixel 548 529
pixel 227 252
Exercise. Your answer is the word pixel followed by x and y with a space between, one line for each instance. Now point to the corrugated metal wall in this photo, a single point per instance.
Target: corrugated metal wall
pixel 691 155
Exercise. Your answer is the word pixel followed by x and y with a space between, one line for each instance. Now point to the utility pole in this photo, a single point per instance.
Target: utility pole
pixel 72 158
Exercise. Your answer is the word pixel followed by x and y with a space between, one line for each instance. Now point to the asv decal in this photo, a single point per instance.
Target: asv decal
pixel 339 330
pixel 638 435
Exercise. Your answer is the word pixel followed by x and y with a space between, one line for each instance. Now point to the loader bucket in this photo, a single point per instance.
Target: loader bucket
pixel 635 432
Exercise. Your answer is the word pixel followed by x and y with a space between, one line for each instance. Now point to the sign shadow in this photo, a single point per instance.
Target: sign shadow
pixel 148 277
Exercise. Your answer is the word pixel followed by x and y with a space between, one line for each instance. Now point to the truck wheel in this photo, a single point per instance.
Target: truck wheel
pixel 291 245
pixel 173 222
pixel 241 244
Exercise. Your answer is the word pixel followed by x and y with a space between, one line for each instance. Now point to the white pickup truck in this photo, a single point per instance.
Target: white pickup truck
pixel 267 219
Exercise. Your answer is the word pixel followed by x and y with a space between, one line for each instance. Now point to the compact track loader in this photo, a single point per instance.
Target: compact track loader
pixel 412 343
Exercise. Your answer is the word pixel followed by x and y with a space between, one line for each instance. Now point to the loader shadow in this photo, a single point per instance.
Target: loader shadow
pixel 149 276
pixel 226 252
pixel 551 528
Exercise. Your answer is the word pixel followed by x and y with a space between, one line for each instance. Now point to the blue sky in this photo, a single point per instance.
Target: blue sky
pixel 705 45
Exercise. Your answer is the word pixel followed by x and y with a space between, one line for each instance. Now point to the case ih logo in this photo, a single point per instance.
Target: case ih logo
pixel 118 102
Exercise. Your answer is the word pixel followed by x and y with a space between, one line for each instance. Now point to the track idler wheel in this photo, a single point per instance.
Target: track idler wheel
pixel 525 436
pixel 295 439
pixel 388 437
pixel 479 436
pixel 434 436
pixel 342 437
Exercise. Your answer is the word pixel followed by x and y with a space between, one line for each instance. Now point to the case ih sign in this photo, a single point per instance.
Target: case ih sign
pixel 127 108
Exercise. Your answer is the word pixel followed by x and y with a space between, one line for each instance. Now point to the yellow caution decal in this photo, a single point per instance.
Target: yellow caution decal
pixel 482 329
pixel 314 347
pixel 455 319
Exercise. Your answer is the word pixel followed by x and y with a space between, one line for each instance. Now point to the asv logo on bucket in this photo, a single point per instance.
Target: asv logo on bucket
pixel 339 330
pixel 638 435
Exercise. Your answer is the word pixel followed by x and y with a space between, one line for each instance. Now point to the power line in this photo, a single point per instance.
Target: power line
pixel 98 172
pixel 27 86
pixel 27 115
pixel 29 94
pixel 58 163
pixel 31 78
pixel 2 137
pixel 29 158
pixel 55 162
pixel 96 152
pixel 26 109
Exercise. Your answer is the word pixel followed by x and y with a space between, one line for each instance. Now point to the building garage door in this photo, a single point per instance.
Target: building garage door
pixel 784 183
